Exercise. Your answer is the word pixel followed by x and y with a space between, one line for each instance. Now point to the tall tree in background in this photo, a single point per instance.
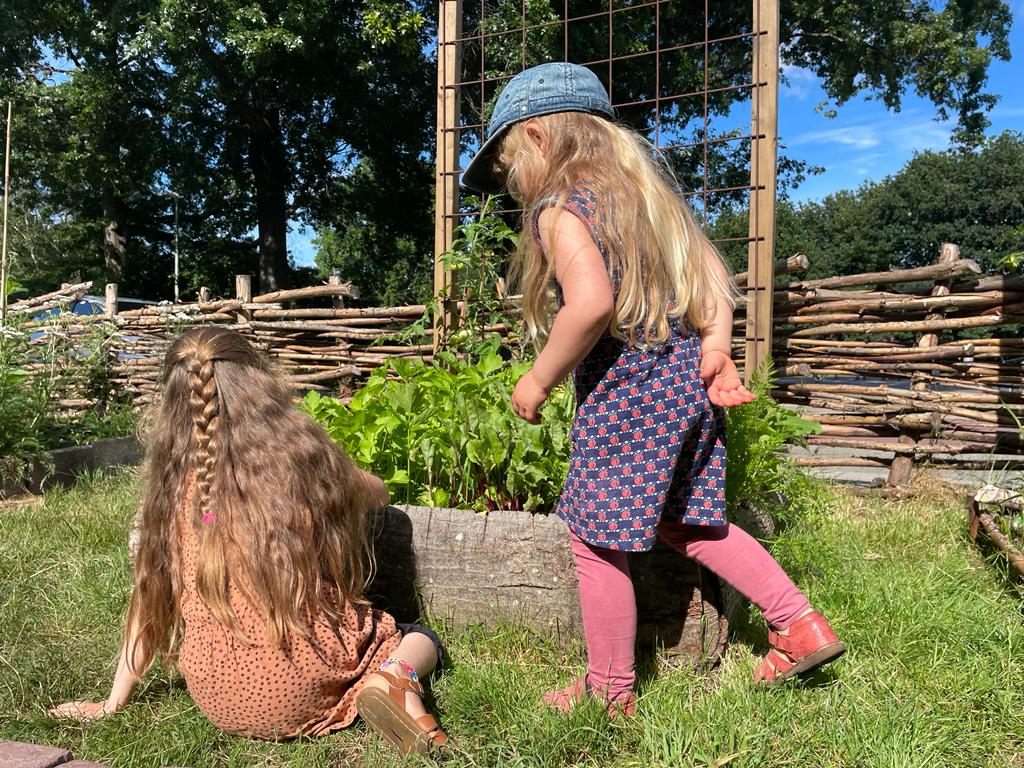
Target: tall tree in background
pixel 312 87
pixel 253 112
pixel 973 197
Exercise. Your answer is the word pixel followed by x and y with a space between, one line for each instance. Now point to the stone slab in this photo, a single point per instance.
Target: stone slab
pixel 15 754
pixel 70 463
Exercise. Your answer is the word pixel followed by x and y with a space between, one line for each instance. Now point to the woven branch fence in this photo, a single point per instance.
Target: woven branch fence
pixel 899 367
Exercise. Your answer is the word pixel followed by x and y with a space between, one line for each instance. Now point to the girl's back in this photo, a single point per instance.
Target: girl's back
pixel 257 689
pixel 251 557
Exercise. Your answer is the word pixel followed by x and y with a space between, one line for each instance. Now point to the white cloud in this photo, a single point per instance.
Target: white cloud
pixel 860 137
pixel 799 82
pixel 904 133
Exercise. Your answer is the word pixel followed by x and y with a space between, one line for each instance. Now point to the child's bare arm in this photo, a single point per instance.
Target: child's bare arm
pixel 717 368
pixel 588 305
pixel 121 690
pixel 376 490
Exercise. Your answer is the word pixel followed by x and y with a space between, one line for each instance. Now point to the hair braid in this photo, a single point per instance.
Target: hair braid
pixel 204 404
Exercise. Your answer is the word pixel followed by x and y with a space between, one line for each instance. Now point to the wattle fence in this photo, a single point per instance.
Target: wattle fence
pixel 899 367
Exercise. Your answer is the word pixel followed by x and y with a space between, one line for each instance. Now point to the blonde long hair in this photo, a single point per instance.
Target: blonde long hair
pixel 665 262
pixel 278 510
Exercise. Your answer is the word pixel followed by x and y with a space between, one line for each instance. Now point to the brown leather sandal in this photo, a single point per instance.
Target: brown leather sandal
pixel 385 712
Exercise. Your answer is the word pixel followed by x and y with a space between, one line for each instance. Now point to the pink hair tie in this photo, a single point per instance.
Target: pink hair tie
pixel 209 518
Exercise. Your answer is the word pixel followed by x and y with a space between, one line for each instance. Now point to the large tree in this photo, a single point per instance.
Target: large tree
pixel 971 196
pixel 253 112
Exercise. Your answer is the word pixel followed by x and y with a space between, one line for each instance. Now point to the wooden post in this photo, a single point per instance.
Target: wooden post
pixel 243 292
pixel 204 295
pixel 7 198
pixel 903 464
pixel 446 198
pixel 763 155
pixel 110 301
pixel 338 302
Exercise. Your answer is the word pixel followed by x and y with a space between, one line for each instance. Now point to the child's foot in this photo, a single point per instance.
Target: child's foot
pixel 565 699
pixel 391 703
pixel 803 647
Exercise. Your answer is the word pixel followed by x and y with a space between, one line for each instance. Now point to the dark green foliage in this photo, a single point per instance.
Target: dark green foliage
pixel 254 112
pixel 971 197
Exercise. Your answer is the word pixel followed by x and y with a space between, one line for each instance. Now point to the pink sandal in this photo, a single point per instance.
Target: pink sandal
pixel 566 699
pixel 809 643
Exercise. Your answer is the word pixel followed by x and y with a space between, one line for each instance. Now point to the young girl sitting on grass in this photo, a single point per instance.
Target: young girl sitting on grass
pixel 252 560
pixel 644 321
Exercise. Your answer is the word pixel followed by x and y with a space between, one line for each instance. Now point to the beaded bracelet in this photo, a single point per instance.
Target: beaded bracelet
pixel 406 665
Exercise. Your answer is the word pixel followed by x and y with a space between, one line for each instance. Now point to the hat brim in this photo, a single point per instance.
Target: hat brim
pixel 479 174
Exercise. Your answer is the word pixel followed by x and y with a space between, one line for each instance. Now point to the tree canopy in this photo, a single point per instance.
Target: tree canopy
pixel 257 113
pixel 973 197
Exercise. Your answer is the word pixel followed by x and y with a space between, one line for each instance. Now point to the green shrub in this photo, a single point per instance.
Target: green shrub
pixel 445 435
pixel 758 472
pixel 24 407
pixel 35 374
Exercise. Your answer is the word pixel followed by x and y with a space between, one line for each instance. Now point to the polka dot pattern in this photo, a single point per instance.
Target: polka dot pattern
pixel 647 442
pixel 260 691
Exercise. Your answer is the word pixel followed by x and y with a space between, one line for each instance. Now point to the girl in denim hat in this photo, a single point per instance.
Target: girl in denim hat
pixel 642 317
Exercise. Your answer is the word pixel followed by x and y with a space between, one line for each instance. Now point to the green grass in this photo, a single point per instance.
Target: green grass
pixel 934 675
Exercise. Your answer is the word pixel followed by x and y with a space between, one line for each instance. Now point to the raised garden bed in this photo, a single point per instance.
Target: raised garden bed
pixel 65 465
pixel 471 567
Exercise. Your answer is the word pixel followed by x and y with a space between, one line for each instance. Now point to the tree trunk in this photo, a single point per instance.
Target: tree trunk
pixel 267 161
pixel 114 242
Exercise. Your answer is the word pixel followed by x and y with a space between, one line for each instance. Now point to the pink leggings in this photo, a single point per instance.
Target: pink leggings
pixel 609 606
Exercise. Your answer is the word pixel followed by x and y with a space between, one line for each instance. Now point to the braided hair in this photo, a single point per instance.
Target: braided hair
pixel 277 510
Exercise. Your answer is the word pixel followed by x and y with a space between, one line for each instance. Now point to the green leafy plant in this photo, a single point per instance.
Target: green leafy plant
pixel 24 405
pixel 758 472
pixel 69 360
pixel 482 244
pixel 445 435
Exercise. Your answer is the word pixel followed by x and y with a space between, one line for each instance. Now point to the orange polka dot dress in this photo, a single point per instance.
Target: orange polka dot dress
pixel 260 691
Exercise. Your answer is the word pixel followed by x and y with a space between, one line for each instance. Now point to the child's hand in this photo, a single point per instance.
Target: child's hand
pixel 528 397
pixel 81 710
pixel 722 380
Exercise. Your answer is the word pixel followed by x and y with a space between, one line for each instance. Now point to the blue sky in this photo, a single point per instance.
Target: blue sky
pixel 864 141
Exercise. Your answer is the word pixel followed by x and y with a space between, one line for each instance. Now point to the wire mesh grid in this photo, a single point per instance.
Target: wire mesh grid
pixel 685 73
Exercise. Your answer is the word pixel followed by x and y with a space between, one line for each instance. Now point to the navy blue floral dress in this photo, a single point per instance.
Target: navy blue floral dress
pixel 647 443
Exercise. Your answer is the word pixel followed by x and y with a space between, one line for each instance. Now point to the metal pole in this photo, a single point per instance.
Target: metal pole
pixel 177 300
pixel 7 197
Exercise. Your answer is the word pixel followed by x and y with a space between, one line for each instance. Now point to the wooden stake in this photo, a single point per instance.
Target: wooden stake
pixel 446 199
pixel 763 157
pixel 110 301
pixel 243 293
pixel 902 465
pixel 7 199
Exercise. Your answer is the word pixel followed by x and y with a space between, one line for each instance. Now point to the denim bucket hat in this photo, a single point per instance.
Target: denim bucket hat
pixel 540 90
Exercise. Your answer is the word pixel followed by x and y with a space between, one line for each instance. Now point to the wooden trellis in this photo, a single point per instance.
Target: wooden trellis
pixel 463 97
